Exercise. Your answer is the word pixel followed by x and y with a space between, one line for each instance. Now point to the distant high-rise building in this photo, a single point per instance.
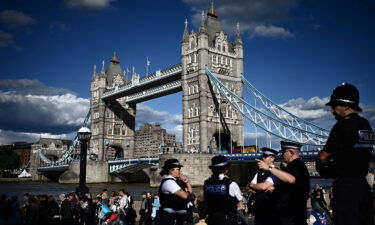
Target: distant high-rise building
pixel 150 140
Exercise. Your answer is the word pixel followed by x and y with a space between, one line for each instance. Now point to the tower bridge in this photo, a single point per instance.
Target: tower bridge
pixel 210 77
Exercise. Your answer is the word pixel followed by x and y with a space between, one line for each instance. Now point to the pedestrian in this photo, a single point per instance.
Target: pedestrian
pixel 222 195
pixel 292 192
pixel 174 192
pixel 262 186
pixel 124 206
pixel 53 211
pixel 346 157
pixel 132 214
pixel 144 210
pixel 65 210
pixel 155 209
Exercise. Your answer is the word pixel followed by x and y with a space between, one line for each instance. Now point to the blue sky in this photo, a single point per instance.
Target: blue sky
pixel 295 52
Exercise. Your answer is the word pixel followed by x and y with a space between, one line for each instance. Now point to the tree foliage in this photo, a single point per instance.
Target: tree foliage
pixel 9 159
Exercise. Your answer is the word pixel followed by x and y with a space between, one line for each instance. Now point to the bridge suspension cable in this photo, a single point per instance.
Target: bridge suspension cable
pixel 273 124
pixel 66 156
pixel 281 113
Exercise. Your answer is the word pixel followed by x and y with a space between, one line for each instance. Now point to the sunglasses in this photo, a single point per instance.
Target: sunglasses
pixel 266 155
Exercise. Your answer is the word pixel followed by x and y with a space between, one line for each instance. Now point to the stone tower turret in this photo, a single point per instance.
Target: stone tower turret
pixel 209 122
pixel 112 122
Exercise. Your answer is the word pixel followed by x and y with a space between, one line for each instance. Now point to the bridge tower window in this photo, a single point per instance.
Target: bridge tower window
pixel 117 131
pixel 109 130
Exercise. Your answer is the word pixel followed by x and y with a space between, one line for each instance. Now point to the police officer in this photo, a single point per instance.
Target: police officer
pixel 174 192
pixel 262 186
pixel 346 157
pixel 292 191
pixel 222 195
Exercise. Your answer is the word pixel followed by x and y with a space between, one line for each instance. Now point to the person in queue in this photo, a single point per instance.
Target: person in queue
pixel 346 157
pixel 262 186
pixel 222 195
pixel 174 192
pixel 292 192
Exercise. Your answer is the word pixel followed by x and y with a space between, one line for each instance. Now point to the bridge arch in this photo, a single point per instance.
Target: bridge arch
pixel 222 143
pixel 115 152
pixel 52 157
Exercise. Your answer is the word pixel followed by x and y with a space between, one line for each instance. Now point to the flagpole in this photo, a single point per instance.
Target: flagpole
pixel 147 64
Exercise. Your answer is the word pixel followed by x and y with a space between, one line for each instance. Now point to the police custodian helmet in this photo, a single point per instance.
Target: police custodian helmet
pixel 345 95
pixel 218 162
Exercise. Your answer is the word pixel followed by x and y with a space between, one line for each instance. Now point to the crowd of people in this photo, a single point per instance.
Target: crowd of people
pixel 113 207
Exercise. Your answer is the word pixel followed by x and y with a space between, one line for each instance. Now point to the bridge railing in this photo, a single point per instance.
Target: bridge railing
pixel 173 70
pixel 117 165
pixel 153 91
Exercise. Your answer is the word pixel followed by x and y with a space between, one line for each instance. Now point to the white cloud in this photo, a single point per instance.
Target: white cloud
pixel 272 32
pixel 34 114
pixel 89 5
pixel 15 18
pixel 313 110
pixel 252 15
pixel 8 137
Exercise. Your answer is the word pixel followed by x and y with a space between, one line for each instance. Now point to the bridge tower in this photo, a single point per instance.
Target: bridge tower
pixel 112 121
pixel 209 122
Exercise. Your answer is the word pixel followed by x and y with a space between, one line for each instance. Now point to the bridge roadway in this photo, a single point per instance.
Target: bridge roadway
pixel 160 83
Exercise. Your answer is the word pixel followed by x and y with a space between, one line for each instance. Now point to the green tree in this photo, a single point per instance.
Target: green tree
pixel 9 159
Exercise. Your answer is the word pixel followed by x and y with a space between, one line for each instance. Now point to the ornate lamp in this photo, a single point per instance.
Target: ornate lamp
pixel 84 135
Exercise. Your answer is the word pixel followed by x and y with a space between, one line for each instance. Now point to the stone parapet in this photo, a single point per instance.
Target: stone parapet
pixel 96 172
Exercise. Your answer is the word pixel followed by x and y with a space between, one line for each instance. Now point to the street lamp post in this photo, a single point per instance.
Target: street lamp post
pixel 84 135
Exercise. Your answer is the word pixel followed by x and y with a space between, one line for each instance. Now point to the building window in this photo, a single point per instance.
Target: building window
pixel 117 131
pixel 109 130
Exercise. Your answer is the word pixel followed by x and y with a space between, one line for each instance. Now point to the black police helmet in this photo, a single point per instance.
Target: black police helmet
pixel 219 161
pixel 345 95
pixel 170 164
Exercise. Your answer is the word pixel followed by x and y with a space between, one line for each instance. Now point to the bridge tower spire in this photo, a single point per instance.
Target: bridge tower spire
pixel 185 37
pixel 209 122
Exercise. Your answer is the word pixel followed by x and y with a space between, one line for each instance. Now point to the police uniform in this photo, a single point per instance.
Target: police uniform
pixel 264 208
pixel 291 199
pixel 221 195
pixel 350 144
pixel 173 209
